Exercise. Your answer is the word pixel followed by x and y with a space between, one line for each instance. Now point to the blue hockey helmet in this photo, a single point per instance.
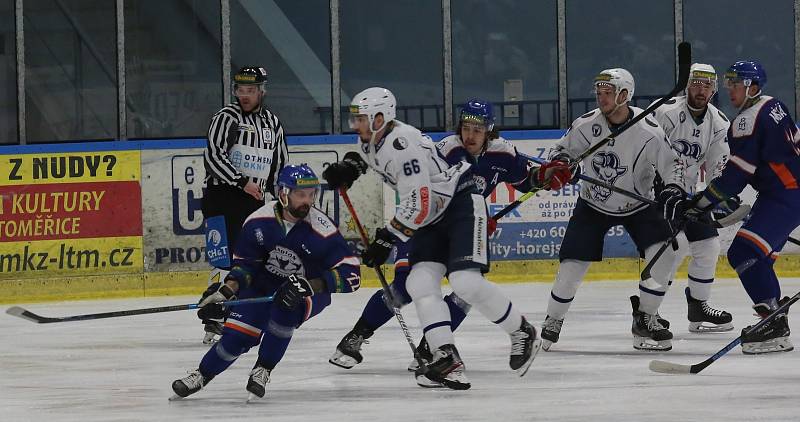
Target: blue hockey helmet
pixel 748 71
pixel 294 177
pixel 478 111
pixel 297 177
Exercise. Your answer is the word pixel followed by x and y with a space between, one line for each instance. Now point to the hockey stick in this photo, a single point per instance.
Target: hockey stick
pixel 423 368
pixel 730 219
pixel 675 368
pixel 684 62
pixel 30 316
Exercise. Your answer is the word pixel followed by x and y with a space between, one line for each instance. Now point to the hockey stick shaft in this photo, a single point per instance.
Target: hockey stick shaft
pixel 30 316
pixel 674 368
pixel 386 290
pixel 667 243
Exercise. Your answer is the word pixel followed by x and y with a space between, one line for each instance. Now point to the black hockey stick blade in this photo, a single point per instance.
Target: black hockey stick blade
pixel 23 313
pixel 676 368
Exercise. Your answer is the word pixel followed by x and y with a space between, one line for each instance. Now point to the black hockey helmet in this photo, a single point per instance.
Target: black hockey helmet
pixel 251 75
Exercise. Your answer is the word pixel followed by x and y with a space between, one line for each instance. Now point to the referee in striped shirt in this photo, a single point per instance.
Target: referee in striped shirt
pixel 245 152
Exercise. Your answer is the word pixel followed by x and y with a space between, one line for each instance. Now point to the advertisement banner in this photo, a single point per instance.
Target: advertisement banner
pixel 70 214
pixel 173 192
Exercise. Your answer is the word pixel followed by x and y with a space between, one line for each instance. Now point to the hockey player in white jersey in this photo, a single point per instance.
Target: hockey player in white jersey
pixel 441 208
pixel 629 162
pixel 698 133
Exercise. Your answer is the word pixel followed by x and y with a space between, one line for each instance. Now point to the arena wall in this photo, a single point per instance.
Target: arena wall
pixel 122 219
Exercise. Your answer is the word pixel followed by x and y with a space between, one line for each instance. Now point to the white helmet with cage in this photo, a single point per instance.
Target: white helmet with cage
pixel 703 73
pixel 618 78
pixel 371 102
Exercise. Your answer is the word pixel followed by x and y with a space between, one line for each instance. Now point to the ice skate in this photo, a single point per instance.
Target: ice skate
pixel 705 319
pixel 348 352
pixel 648 333
pixel 189 384
pixel 525 344
pixel 257 383
pixel 447 368
pixel 424 352
pixel 661 320
pixel 771 337
pixel 551 329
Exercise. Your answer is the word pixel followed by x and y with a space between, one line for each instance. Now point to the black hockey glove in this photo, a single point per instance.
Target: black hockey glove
pixel 674 202
pixel 295 289
pixel 210 309
pixel 378 251
pixel 345 172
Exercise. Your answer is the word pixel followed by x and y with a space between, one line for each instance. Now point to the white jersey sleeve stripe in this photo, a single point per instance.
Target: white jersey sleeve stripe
pixel 742 164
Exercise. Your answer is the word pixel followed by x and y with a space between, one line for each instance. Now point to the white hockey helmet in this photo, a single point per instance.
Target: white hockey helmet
pixel 371 102
pixel 617 77
pixel 703 73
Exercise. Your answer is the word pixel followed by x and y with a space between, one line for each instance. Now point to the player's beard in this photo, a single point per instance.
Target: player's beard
pixel 299 212
pixel 696 103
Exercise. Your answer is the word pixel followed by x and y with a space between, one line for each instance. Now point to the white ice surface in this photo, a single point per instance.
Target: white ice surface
pixel 120 369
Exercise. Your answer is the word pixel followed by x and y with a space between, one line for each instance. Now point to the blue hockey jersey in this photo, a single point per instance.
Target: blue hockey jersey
pixel 500 162
pixel 270 249
pixel 765 152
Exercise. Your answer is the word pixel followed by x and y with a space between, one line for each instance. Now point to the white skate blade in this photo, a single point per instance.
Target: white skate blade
pixel 709 327
pixel 546 345
pixel 521 371
pixel 252 398
pixel 175 397
pixel 426 382
pixel 648 344
pixel 343 361
pixel 780 344
pixel 663 367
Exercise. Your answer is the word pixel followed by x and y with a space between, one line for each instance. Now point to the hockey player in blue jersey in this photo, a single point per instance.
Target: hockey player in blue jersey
pixel 287 248
pixel 765 153
pixel 494 160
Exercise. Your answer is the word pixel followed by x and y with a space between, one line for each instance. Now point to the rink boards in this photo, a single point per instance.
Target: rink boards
pixel 118 219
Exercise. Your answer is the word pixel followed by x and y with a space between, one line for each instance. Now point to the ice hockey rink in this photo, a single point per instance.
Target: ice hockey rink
pixel 121 369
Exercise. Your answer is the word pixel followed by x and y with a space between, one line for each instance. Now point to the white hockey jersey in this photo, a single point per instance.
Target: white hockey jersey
pixel 423 180
pixel 696 143
pixel 628 162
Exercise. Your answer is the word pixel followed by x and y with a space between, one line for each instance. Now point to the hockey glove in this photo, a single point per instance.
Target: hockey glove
pixel 293 291
pixel 378 251
pixel 210 309
pixel 345 172
pixel 674 202
pixel 552 175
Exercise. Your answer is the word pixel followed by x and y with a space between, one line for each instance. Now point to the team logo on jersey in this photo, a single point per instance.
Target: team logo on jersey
pixel 596 129
pixel 284 262
pixel 480 182
pixel 608 168
pixel 400 144
pixel 682 117
pixel 687 149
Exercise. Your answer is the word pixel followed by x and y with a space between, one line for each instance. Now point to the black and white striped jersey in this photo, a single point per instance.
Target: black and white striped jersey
pixel 245 146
